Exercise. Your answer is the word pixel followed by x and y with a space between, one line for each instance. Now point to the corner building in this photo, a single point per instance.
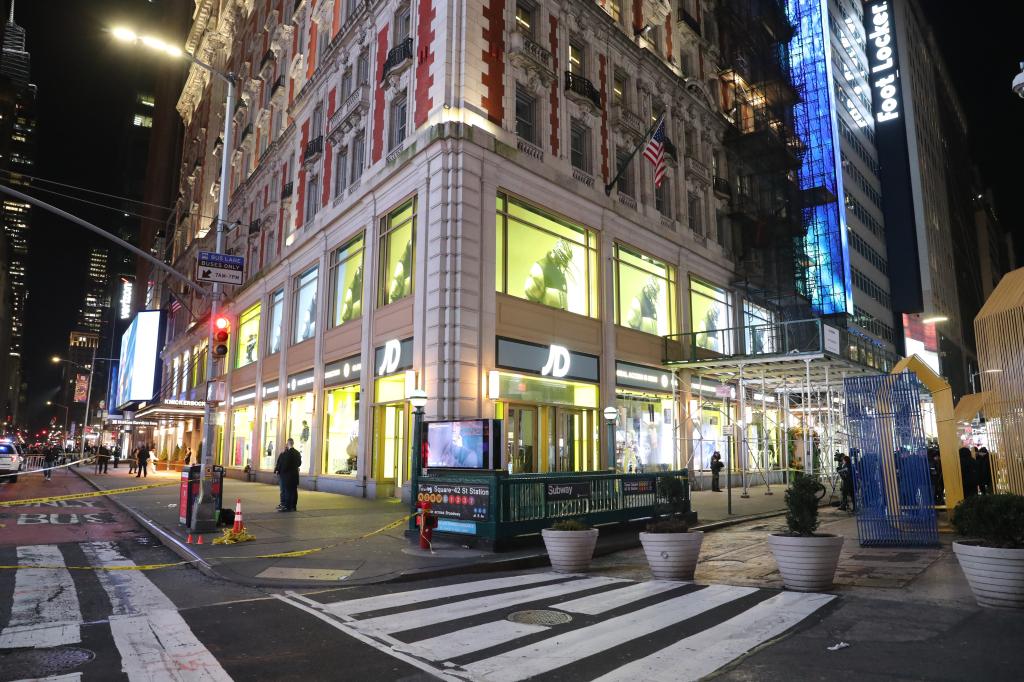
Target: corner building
pixel 418 188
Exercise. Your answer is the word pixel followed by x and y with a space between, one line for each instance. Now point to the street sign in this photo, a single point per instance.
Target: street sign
pixel 219 267
pixel 723 391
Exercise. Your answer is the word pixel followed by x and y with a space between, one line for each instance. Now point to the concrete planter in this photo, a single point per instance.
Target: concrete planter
pixel 570 551
pixel 996 575
pixel 672 556
pixel 807 564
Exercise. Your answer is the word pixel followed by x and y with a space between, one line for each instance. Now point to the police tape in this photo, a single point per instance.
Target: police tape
pixel 314 550
pixel 56 567
pixel 78 496
pixel 24 472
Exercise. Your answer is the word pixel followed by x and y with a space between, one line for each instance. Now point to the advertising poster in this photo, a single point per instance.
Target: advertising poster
pixel 461 444
pixel 81 387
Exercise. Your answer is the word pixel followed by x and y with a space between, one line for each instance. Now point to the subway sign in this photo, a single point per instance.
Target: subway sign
pixel 883 61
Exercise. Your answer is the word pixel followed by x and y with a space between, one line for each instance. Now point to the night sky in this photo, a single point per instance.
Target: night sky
pixel 85 81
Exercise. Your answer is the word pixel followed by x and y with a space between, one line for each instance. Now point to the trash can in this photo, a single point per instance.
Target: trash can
pixel 189 491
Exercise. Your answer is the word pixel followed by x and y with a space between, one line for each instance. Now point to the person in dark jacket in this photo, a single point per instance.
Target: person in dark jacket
pixel 845 471
pixel 287 470
pixel 133 461
pixel 102 459
pixel 716 469
pixel 967 472
pixel 143 462
pixel 983 471
pixel 49 461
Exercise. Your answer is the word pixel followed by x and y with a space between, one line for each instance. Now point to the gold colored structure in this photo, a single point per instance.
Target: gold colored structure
pixel 942 397
pixel 999 329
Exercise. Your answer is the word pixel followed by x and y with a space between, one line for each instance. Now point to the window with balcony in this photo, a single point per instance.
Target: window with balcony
pixel 695 213
pixel 363 68
pixel 526 114
pixel 645 290
pixel 276 321
pixel 324 40
pixel 623 161
pixel 347 282
pixel 304 313
pixel 403 23
pixel 358 145
pixel 346 83
pixel 577 59
pixel 340 171
pixel 399 116
pixel 711 316
pixel 524 17
pixel 545 259
pixel 248 336
pixel 663 198
pixel 316 125
pixel 579 145
pixel 312 197
pixel 619 89
pixel 397 253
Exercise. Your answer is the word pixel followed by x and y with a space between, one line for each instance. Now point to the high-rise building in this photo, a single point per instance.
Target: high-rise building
pixel 18 97
pixel 96 301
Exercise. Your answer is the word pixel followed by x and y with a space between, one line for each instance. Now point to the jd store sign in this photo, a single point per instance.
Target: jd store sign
pixel 393 356
pixel 554 361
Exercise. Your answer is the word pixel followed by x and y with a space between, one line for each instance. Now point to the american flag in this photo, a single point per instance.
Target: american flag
pixel 655 151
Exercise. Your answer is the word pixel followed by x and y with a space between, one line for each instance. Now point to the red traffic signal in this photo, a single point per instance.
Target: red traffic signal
pixel 221 327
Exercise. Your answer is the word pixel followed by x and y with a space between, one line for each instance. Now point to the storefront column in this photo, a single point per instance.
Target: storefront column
pixel 684 422
pixel 316 449
pixel 282 371
pixel 606 391
pixel 368 371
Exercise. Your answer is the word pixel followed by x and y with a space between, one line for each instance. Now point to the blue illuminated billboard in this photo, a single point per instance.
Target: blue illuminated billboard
pixel 139 365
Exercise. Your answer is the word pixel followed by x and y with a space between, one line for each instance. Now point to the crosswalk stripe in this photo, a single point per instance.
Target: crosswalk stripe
pixel 387 601
pixel 606 601
pixel 45 611
pixel 69 677
pixel 574 645
pixel 694 657
pixel 469 640
pixel 410 620
pixel 153 639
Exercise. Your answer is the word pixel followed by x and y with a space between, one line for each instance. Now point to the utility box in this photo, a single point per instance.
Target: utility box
pixel 189 491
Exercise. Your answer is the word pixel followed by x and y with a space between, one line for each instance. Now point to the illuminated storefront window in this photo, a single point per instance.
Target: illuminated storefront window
pixel 711 317
pixel 304 314
pixel 248 336
pixel 300 411
pixel 276 321
pixel 545 259
pixel 644 292
pixel 390 429
pixel 268 429
pixel 397 246
pixel 758 329
pixel 243 425
pixel 341 430
pixel 646 418
pixel 347 282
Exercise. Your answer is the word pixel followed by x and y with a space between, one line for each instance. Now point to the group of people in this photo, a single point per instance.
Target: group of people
pixel 975 471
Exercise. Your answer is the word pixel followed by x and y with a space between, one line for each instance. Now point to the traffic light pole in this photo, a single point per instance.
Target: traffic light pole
pixel 204 515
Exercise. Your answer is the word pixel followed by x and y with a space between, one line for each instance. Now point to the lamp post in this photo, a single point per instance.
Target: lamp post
pixel 418 399
pixel 610 415
pixel 203 516
pixel 65 408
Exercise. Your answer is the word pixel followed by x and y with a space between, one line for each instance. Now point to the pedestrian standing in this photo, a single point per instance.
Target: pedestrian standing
pixel 143 463
pixel 983 471
pixel 102 458
pixel 287 469
pixel 845 471
pixel 188 456
pixel 49 461
pixel 133 461
pixel 115 452
pixel 967 472
pixel 716 469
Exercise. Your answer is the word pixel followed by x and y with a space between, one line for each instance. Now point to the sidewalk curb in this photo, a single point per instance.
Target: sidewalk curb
pixel 539 559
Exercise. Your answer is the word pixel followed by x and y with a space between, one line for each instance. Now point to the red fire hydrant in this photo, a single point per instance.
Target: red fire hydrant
pixel 427 522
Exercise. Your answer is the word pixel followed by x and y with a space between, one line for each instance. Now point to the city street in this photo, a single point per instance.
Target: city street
pixel 78 619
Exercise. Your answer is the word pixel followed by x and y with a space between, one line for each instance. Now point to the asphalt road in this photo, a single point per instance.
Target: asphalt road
pixel 174 623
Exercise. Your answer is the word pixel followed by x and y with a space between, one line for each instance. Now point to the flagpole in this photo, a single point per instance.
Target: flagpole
pixel 618 176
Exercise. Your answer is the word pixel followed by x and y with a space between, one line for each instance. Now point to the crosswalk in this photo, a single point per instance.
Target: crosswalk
pixel 604 628
pixel 152 638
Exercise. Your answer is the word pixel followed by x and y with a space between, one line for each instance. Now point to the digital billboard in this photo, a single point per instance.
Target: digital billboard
pixel 461 444
pixel 139 360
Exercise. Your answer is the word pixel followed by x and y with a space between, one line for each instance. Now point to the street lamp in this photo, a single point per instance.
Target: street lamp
pixel 418 399
pixel 1018 82
pixel 56 359
pixel 610 415
pixel 203 516
pixel 65 408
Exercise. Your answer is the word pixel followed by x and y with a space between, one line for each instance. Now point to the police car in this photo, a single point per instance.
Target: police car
pixel 11 461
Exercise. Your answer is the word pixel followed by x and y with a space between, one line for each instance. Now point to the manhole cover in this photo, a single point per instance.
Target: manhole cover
pixel 36 663
pixel 539 617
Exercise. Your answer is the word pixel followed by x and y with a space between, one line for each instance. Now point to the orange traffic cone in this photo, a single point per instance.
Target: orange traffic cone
pixel 239 526
pixel 188 540
pixel 200 540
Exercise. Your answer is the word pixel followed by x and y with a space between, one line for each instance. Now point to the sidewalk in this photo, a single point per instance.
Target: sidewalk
pixel 339 520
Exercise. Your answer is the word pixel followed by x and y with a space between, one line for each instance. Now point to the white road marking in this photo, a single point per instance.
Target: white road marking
pixel 387 601
pixel 70 677
pixel 574 645
pixel 462 642
pixel 694 657
pixel 347 628
pixel 45 611
pixel 606 601
pixel 409 620
pixel 153 639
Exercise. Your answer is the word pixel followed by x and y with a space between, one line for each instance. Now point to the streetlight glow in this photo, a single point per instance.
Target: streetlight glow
pixel 124 34
pixel 129 36
pixel 55 359
pixel 934 319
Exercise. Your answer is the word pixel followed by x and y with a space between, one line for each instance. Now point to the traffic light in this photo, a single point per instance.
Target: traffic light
pixel 221 328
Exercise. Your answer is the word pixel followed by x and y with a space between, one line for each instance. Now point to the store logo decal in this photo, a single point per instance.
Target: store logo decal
pixel 392 354
pixel 558 362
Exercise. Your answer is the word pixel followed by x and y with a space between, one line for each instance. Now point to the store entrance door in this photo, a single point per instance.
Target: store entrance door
pixel 574 442
pixel 521 438
pixel 389 443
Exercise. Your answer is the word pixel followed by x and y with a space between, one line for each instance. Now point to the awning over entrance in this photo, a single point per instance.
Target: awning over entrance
pixel 172 410
pixel 970 405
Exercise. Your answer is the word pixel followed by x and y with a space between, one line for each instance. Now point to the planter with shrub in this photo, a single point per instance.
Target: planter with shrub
pixel 570 545
pixel 671 550
pixel 993 556
pixel 807 560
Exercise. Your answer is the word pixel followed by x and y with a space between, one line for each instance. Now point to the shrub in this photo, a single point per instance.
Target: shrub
pixel 569 524
pixel 802 505
pixel 996 520
pixel 673 493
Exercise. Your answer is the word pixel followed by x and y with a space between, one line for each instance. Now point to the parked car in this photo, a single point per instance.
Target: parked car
pixel 11 461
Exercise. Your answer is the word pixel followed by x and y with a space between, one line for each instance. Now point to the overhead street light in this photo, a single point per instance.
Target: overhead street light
pixel 934 319
pixel 203 515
